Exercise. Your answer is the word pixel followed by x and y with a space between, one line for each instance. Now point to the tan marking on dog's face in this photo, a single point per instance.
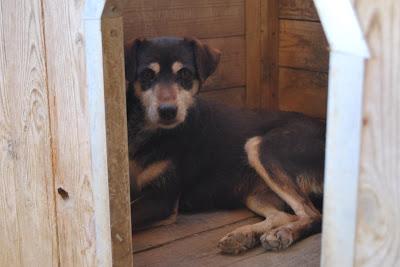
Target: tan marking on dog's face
pixel 150 173
pixel 176 66
pixel 155 67
pixel 153 97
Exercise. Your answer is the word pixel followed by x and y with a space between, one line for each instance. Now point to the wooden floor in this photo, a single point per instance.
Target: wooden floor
pixel 192 242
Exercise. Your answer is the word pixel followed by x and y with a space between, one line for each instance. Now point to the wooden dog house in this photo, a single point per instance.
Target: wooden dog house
pixel 64 190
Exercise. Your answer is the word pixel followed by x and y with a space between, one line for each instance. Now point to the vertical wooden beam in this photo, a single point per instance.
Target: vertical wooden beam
pixel 253 53
pixel 269 54
pixel 117 139
pixel 378 233
pixel 75 80
pixel 28 234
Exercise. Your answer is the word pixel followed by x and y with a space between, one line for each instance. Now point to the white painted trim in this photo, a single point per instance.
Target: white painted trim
pixel 344 118
pixel 346 75
pixel 341 27
pixel 97 120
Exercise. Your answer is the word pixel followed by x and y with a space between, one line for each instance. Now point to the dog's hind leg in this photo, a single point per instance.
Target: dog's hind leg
pixel 264 203
pixel 307 218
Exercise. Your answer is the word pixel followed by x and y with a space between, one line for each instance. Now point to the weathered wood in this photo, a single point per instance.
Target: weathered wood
pixel 298 10
pixel 303 91
pixel 199 246
pixel 231 72
pixel 187 225
pixel 302 44
pixel 78 133
pixel 196 250
pixel 234 97
pixel 377 237
pixel 269 54
pixel 306 253
pixel 117 140
pixel 253 53
pixel 28 234
pixel 202 19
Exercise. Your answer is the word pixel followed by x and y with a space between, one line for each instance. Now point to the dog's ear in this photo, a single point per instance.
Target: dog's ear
pixel 206 57
pixel 131 60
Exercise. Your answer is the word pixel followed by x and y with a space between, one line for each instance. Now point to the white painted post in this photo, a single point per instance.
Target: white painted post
pixel 344 118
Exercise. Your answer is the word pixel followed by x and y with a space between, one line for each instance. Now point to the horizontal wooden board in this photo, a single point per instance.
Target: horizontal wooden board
pixel 196 250
pixel 234 97
pixel 298 9
pixel 202 18
pixel 302 44
pixel 307 253
pixel 186 225
pixel 303 91
pixel 200 249
pixel 231 71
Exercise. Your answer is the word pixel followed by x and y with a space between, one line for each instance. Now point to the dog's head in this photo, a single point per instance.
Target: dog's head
pixel 165 74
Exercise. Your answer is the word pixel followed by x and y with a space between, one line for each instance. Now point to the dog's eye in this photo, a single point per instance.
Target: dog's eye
pixel 185 78
pixel 146 77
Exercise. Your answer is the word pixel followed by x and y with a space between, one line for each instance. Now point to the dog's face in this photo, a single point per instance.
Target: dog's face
pixel 166 73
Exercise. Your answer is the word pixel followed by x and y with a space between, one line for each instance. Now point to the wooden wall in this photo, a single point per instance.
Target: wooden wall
pixel 378 233
pixel 49 209
pixel 303 59
pixel 274 53
pixel 220 23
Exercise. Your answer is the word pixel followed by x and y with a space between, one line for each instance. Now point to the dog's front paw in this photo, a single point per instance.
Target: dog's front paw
pixel 237 242
pixel 277 239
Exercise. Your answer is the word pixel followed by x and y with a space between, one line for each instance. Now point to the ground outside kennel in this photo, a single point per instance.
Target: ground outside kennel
pixel 64 187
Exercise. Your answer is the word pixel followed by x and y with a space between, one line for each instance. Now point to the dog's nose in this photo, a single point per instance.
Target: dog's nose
pixel 167 111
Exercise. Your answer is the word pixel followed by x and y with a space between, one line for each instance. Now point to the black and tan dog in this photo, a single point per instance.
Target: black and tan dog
pixel 204 156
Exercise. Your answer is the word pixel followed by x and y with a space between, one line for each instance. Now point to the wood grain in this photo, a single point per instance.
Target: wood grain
pixel 70 127
pixel 302 44
pixel 253 53
pixel 234 97
pixel 187 225
pixel 231 71
pixel 202 18
pixel 117 141
pixel 378 235
pixel 303 91
pixel 27 206
pixel 199 246
pixel 298 10
pixel 269 54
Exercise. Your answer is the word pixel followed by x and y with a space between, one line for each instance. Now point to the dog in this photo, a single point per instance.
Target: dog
pixel 187 154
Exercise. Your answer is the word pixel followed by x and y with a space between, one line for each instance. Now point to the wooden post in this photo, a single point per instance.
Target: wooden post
pixel 117 139
pixel 378 207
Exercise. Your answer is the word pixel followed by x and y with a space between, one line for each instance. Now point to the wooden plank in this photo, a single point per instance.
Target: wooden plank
pixel 201 250
pixel 303 91
pixel 196 250
pixel 253 53
pixel 233 97
pixel 269 54
pixel 307 253
pixel 378 235
pixel 117 140
pixel 302 44
pixel 78 133
pixel 231 71
pixel 27 206
pixel 202 19
pixel 298 10
pixel 187 225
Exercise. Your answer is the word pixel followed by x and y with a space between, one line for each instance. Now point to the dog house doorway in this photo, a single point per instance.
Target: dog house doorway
pixel 241 82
